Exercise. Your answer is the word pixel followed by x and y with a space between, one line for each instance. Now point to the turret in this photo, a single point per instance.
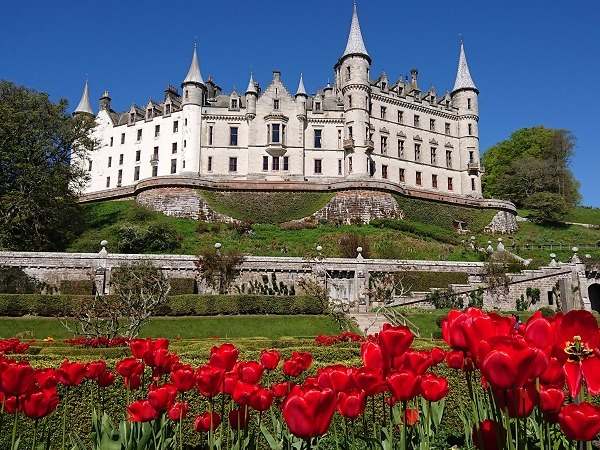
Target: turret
pixel 301 97
pixel 192 101
pixel 352 87
pixel 84 106
pixel 251 97
pixel 193 85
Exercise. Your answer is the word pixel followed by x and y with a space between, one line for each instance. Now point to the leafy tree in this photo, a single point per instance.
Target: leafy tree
pixel 39 186
pixel 533 160
pixel 546 207
pixel 219 268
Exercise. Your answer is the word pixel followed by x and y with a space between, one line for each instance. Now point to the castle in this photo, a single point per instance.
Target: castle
pixel 358 131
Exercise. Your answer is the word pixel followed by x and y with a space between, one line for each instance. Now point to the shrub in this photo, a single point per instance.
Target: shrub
pixel 349 242
pixel 76 287
pixel 422 230
pixel 445 298
pixel 13 280
pixel 182 286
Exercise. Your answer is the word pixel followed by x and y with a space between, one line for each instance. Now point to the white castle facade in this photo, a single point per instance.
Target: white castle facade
pixel 358 129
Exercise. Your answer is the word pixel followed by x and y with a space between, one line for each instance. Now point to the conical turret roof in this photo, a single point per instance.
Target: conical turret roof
pixel 355 43
pixel 301 90
pixel 84 105
pixel 463 76
pixel 251 89
pixel 194 75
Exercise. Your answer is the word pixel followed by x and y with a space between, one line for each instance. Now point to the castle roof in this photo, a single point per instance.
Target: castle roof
pixel 84 105
pixel 251 89
pixel 194 75
pixel 355 43
pixel 301 89
pixel 463 76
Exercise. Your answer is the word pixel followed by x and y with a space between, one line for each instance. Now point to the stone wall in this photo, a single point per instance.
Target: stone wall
pixel 349 206
pixel 503 222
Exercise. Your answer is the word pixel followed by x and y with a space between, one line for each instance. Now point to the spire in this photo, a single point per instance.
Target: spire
pixel 194 75
pixel 463 76
pixel 301 90
pixel 251 89
pixel 84 105
pixel 355 43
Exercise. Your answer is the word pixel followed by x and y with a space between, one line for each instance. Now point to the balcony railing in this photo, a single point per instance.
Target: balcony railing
pixel 348 144
pixel 370 145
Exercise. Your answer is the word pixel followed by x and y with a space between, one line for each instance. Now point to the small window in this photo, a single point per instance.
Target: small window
pixel 265 163
pixel 348 73
pixel 174 166
pixel 184 143
pixel 339 166
pixel 318 138
pixel 434 183
pixel 468 103
pixel 131 117
pixel 136 173
pixel 210 135
pixel 417 120
pixel 122 138
pixel 471 157
pixel 155 171
pixel 447 128
pixel 350 164
pixel 157 131
pixel 449 158
pixel 450 184
pixel 185 123
pixel 149 114
pixel 317 106
pixel 234 103
pixel 209 168
pixel 111 141
pixel 286 163
pixel 168 108
pixel 431 124
pixel 384 172
pixel 472 184
pixel 119 177
pixel 383 112
pixel 109 161
pixel 433 155
pixel 339 138
pixel 318 166
pixel 174 147
pixel 275 137
pixel 349 101
pixel 139 135
pixel 276 104
pixel 350 132
pixel 400 148
pixel 155 154
pixel 418 178
pixel 401 173
pixel 233 136
pixel 121 159
pixel 384 145
pixel 107 182
pixel 90 165
pixel 138 155
pixel 176 126
pixel 276 163
pixel 417 152
pixel 470 132
pixel 400 116
pixel 233 164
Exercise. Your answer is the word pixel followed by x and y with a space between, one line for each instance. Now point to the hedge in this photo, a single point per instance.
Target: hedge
pixel 16 305
pixel 76 287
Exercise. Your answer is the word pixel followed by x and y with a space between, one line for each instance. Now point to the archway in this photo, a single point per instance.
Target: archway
pixel 594 296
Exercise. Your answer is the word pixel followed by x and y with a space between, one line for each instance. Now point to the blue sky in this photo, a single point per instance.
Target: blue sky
pixel 535 62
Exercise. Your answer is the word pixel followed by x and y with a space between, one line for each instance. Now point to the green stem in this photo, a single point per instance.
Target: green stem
pixel 64 418
pixel 427 427
pixel 35 427
pixel 403 426
pixel 15 422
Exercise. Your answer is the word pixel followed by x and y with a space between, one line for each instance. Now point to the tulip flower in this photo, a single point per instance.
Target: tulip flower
pixel 269 359
pixel 205 422
pixel 224 356
pixel 403 385
pixel 308 411
pixel 184 378
pixel 395 340
pixel 261 399
pixel 433 388
pixel 337 377
pixel 250 371
pixel 370 380
pixel 178 411
pixel 551 402
pixel 105 379
pixel 16 378
pixel 41 403
pixel 243 391
pixel 162 397
pixel 412 417
pixel 209 380
pixel 519 402
pixel 373 355
pixel 351 404
pixel 71 374
pixel 239 418
pixel 94 369
pixel 580 422
pixel 490 436
pixel 141 411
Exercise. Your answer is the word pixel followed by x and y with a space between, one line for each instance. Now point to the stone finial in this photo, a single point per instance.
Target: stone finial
pixel 103 244
pixel 500 245
pixel 553 262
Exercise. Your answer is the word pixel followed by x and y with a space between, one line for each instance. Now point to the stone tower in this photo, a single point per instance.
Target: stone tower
pixel 352 87
pixel 190 131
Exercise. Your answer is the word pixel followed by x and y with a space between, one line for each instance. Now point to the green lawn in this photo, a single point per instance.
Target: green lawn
pixel 271 327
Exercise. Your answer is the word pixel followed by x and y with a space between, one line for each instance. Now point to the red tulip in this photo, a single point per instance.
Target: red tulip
pixel 554 375
pixel 10 403
pixel 94 369
pixel 403 385
pixel 292 368
pixel 519 402
pixel 580 422
pixel 308 412
pixel 162 397
pixel 261 399
pixel 139 347
pixel 351 404
pixel 375 356
pixel 453 327
pixel 541 332
pixel 46 378
pixel 206 422
pixel 551 400
pixel 161 362
pixel 370 380
pixel 178 411
pixel 239 418
pixel 16 378
pixel 337 377
pixel 433 388
pixel 455 359
pixel 106 379
pixel 133 382
pixel 491 435
pixel 40 403
pixel 224 356
pixel 437 355
pixel 129 366
pixel 184 378
pixel 71 374
pixel 230 381
pixel 209 380
pixel 395 340
pixel 250 371
pixel 280 390
pixel 412 417
pixel 415 361
pixel 141 411
pixel 243 391
pixel 269 359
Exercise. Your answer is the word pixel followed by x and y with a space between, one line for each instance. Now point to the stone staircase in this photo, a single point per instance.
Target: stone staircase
pixel 370 322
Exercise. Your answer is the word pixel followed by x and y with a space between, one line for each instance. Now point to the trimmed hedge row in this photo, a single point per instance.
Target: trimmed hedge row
pixel 16 305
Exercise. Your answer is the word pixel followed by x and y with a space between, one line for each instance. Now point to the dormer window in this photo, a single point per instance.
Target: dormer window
pixel 149 114
pixel 168 108
pixel 131 117
pixel 276 104
pixel 383 85
pixel 234 103
pixel 317 106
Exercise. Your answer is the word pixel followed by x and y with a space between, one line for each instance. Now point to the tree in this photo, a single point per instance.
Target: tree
pixel 533 160
pixel 546 207
pixel 140 290
pixel 219 268
pixel 39 186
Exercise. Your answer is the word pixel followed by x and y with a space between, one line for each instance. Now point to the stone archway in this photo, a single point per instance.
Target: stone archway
pixel 594 296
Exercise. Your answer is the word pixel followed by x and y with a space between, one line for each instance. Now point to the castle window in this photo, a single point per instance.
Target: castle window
pixel 90 165
pixel 210 135
pixel 209 168
pixel 383 112
pixel 276 163
pixel 184 143
pixel 339 166
pixel 318 166
pixel 139 135
pixel 447 128
pixel 450 185
pixel 416 120
pixel 418 179
pixel 384 172
pixel 449 158
pixel 432 124
pixel 350 164
pixel 174 166
pixel 109 161
pixel 174 147
pixel 433 155
pixel 138 154
pixel 233 164
pixel 400 148
pixel 339 145
pixel 120 178
pixel 111 141
pixel 155 171
pixel 176 126
pixel 318 135
pixel 149 114
pixel 472 184
pixel 468 103
pixel 470 129
pixel 383 85
pixel 185 123
pixel 400 116
pixel 136 173
pixel 417 152
pixel 121 159
pixel 401 175
pixel 187 94
pixel 122 138
pixel 317 107
pixel 384 145
pixel 234 103
pixel 131 118
pixel 155 154
pixel 276 104
pixel 349 101
pixel 168 108
pixel 233 136
pixel 275 136
pixel 286 163
pixel 471 157
pixel 157 131
pixel 347 73
pixel 265 163
pixel 434 181
pixel 350 132
pixel 107 182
